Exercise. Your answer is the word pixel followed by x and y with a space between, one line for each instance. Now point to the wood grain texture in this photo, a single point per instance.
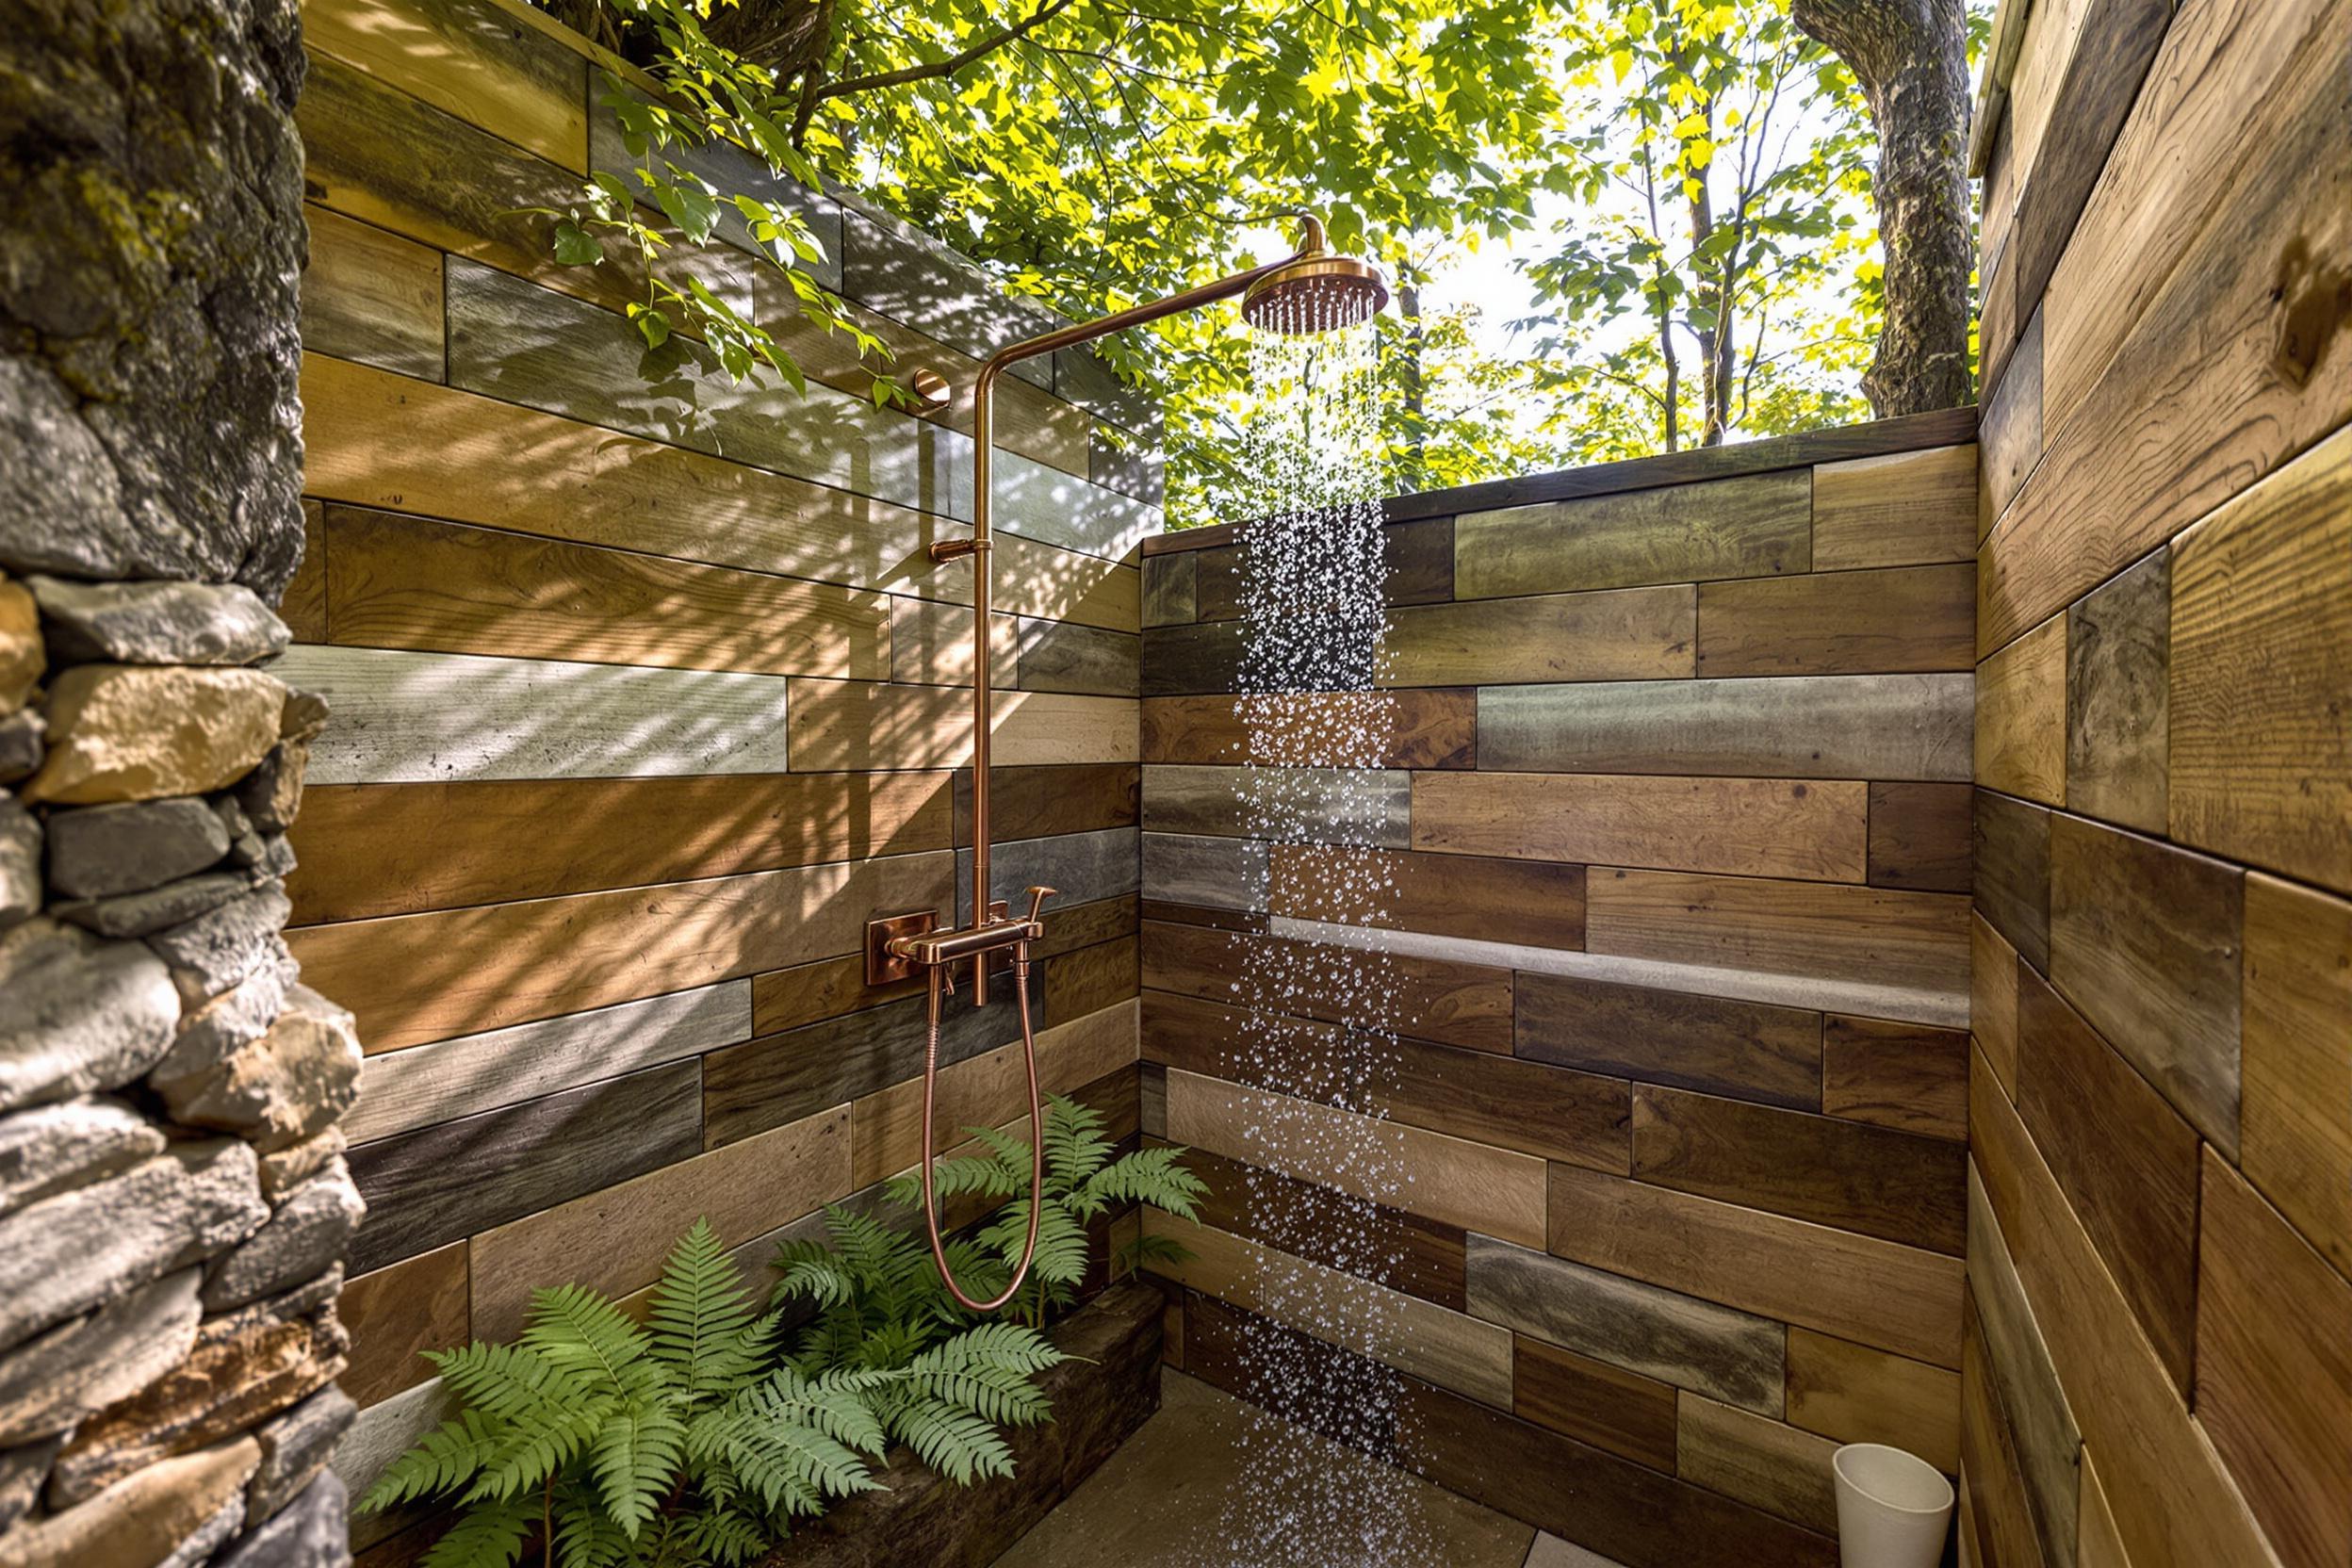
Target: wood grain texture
pixel 1417 728
pixel 1909 939
pixel 1452 896
pixel 397 1313
pixel 836 725
pixel 1746 1049
pixel 1052 801
pixel 1404 1252
pixel 2274 1369
pixel 2261 674
pixel 2173 1503
pixel 1857 1394
pixel 2144 939
pixel 1418 557
pixel 1617 634
pixel 930 645
pixel 399 1090
pixel 1192 660
pixel 1906 727
pixel 1091 979
pixel 1362 807
pixel 1766 1463
pixel 440 1184
pixel 1739 826
pixel 1498 1101
pixel 388 441
pixel 1856 1177
pixel 1903 510
pixel 1905 1077
pixel 1434 998
pixel 469 58
pixel 371 296
pixel 1993 1000
pixel 2049 1444
pixel 2012 428
pixel 1218 586
pixel 614 1240
pixel 2125 1159
pixel 1992 1480
pixel 1170 590
pixel 304 605
pixel 2295 1120
pixel 368 849
pixel 1661 1335
pixel 1593 1402
pixel 1746 527
pixel 1495 1192
pixel 1064 656
pixel 1897 620
pixel 414 978
pixel 1404 1332
pixel 1210 873
pixel 2013 873
pixel 1921 837
pixel 2118 649
pixel 2099 1543
pixel 2021 716
pixel 1895 1298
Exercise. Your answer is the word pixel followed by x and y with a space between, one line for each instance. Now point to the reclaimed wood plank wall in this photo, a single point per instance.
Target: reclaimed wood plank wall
pixel 646 698
pixel 2158 1368
pixel 1675 812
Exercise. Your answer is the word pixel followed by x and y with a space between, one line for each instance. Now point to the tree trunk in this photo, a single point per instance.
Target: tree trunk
pixel 1911 58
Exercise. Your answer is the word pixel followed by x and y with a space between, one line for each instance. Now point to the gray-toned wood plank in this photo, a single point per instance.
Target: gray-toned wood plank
pixel 1878 726
pixel 1063 656
pixel 1081 378
pixel 1362 807
pixel 1727 1355
pixel 1743 1049
pixel 439 1183
pixel 1754 526
pixel 1184 661
pixel 1081 868
pixel 401 1091
pixel 1213 873
pixel 916 281
pixel 1171 588
pixel 1126 465
pixel 414 717
pixel 2118 661
pixel 2013 873
pixel 1041 502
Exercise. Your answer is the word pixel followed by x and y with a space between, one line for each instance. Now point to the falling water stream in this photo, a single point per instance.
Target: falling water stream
pixel 1319 1021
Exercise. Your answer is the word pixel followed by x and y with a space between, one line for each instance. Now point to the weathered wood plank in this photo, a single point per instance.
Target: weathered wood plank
pixel 1746 527
pixel 2174 1505
pixel 406 582
pixel 1676 1339
pixel 615 1240
pixel 1053 801
pixel 1895 1298
pixel 2261 674
pixel 1894 727
pixel 1857 1394
pixel 304 608
pixel 2146 939
pixel 1829 930
pixel 2013 873
pixel 1493 1191
pixel 2049 1444
pixel 2011 442
pixel 442 1184
pixel 401 1091
pixel 1212 872
pixel 1993 1000
pixel 1903 510
pixel 1217 584
pixel 415 978
pixel 1992 1480
pixel 1433 998
pixel 1081 868
pixel 1615 634
pixel 1091 979
pixel 2124 1158
pixel 930 645
pixel 1362 807
pixel 2021 716
pixel 2099 1543
pixel 397 1313
pixel 2118 651
pixel 1921 835
pixel 386 850
pixel 1415 727
pixel 1738 826
pixel 2274 1368
pixel 1061 655
pixel 1743 1049
pixel 532 718
pixel 371 296
pixel 1418 557
pixel 1453 895
pixel 1183 661
pixel 836 725
pixel 2295 1120
pixel 1593 1402
pixel 470 58
pixel 1892 621
pixel 1901 1075
pixel 1851 1175
pixel 1763 1462
pixel 1170 590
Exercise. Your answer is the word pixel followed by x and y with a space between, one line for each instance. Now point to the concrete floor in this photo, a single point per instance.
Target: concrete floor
pixel 1174 1494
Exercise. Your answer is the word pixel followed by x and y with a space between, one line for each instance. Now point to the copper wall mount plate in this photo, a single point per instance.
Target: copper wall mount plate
pixel 883 967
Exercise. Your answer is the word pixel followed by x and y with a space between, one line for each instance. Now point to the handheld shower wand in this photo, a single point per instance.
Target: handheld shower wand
pixel 1310 290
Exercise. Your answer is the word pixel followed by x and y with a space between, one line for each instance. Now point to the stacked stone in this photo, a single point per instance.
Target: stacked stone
pixel 174 1205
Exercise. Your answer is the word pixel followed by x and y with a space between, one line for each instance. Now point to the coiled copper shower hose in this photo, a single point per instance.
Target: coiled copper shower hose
pixel 1037 1133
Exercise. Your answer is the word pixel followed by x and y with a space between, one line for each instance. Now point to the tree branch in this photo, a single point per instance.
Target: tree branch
pixel 954 63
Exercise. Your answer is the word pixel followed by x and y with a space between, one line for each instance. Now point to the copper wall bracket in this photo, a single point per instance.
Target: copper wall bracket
pixel 885 968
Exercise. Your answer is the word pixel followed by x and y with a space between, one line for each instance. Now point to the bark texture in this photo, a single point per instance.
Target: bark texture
pixel 1911 58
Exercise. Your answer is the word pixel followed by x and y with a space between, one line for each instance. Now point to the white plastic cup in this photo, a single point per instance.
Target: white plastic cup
pixel 1893 1509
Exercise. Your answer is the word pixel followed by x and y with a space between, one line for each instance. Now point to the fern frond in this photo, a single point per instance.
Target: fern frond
pixel 700 1319
pixel 959 1444
pixel 791 1467
pixel 1154 1176
pixel 1152 1247
pixel 636 1455
pixel 1074 1145
pixel 726 1536
pixel 487 1535
pixel 578 1330
pixel 443 1460
pixel 585 1535
pixel 1062 1242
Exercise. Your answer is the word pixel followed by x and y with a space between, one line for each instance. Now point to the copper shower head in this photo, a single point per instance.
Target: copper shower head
pixel 1318 293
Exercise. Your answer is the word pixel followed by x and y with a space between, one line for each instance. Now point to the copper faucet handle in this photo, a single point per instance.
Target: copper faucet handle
pixel 1037 901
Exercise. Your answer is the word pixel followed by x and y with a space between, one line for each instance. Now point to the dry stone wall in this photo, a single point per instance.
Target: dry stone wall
pixel 174 1205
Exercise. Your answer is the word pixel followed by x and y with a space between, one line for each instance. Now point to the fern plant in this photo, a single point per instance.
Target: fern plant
pixel 1082 1183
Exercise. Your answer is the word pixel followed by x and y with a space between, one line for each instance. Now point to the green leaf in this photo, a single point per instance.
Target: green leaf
pixel 574 247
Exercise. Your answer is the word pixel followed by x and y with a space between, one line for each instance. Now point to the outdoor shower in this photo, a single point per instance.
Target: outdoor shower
pixel 1309 292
